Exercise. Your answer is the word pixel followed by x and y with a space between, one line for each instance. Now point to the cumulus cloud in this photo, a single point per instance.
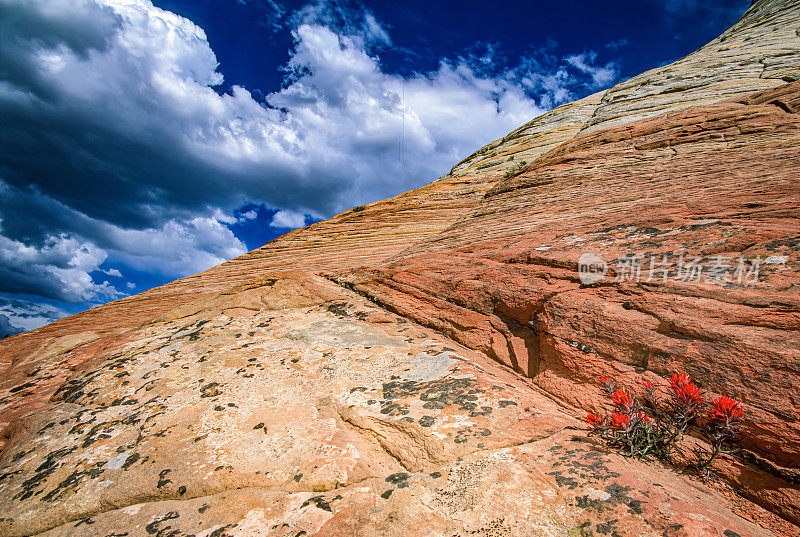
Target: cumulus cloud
pixel 8 329
pixel 176 248
pixel 58 269
pixel 288 220
pixel 119 148
pixel 601 76
pixel 20 315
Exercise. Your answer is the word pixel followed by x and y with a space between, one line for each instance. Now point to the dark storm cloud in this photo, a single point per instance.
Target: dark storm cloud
pixel 6 328
pixel 26 26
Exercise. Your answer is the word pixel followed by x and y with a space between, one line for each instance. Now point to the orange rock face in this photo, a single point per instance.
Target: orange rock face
pixel 420 365
pixel 716 184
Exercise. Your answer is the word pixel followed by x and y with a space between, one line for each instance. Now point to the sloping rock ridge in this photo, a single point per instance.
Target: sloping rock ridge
pixel 420 365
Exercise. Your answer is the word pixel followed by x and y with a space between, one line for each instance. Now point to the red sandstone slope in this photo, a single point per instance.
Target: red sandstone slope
pixel 716 182
pixel 699 158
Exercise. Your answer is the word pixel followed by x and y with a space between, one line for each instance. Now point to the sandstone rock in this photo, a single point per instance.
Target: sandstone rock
pixel 309 419
pixel 504 279
pixel 266 397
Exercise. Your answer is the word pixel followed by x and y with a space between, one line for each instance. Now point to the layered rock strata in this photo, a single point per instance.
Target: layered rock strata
pixel 265 397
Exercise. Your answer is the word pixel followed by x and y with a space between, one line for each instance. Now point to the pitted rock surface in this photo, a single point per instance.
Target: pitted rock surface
pixel 248 425
pixel 677 186
pixel 419 365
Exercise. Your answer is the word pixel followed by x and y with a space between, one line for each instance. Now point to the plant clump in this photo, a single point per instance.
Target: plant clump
pixel 652 425
pixel 514 170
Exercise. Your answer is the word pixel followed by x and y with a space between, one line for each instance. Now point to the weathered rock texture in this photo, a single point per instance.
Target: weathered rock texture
pixel 683 182
pixel 416 366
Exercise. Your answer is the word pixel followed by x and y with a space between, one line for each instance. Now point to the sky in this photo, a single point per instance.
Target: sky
pixel 142 141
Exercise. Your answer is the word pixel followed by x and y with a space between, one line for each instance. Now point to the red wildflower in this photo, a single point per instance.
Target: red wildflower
pixel 593 420
pixel 725 409
pixel 679 380
pixel 608 384
pixel 623 400
pixel 648 386
pixel 687 400
pixel 619 420
pixel 644 418
pixel 688 396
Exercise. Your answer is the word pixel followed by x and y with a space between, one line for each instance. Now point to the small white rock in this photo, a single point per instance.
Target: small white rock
pixel 776 260
pixel 598 495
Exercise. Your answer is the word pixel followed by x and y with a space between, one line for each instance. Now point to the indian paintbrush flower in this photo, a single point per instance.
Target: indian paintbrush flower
pixel 722 425
pixel 619 420
pixel 688 396
pixel 608 385
pixel 594 421
pixel 679 380
pixel 623 400
pixel 725 410
pixel 651 427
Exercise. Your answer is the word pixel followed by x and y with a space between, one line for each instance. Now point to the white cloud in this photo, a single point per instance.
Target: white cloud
pixel 555 87
pixel 58 269
pixel 177 248
pixel 602 76
pixel 19 315
pixel 330 143
pixel 288 220
pixel 374 32
pixel 336 135
pixel 112 272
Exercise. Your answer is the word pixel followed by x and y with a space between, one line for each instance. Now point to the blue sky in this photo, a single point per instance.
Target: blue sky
pixel 144 141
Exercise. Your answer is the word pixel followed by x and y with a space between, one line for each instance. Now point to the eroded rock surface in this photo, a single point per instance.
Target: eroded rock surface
pixel 328 418
pixel 681 184
pixel 419 365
